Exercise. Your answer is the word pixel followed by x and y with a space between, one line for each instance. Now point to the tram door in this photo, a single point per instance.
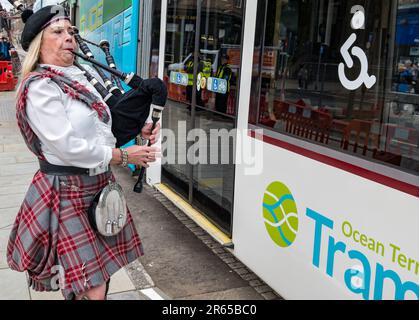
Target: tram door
pixel 202 67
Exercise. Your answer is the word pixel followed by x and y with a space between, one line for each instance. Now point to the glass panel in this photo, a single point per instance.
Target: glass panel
pixel 176 170
pixel 218 71
pixel 214 176
pixel 219 55
pixel 155 39
pixel 180 37
pixel 180 43
pixel 342 75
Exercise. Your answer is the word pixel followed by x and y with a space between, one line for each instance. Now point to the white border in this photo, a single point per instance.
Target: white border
pixel 154 172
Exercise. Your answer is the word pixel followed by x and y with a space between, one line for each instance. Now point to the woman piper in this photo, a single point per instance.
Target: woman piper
pixel 66 124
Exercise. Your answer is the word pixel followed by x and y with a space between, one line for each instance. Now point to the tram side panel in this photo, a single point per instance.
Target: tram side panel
pixel 313 231
pixel 121 30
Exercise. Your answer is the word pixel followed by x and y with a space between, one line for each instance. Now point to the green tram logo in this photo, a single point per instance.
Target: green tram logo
pixel 280 214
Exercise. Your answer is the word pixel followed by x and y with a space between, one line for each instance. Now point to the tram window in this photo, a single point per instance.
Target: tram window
pixel 155 39
pixel 297 88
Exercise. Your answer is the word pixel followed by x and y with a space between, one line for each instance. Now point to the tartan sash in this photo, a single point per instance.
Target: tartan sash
pixel 72 88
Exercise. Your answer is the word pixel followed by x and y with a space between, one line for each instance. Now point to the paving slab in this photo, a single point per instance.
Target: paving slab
pixel 13 147
pixel 15 154
pixel 13 189
pixel 12 139
pixel 139 276
pixel 25 158
pixel 120 282
pixel 8 160
pixel 19 180
pixel 7 217
pixel 4 239
pixel 51 295
pixel 15 284
pixel 18 169
pixel 130 295
pixel 11 200
pixel 245 293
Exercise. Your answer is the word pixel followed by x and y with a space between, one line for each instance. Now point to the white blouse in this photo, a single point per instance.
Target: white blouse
pixel 70 132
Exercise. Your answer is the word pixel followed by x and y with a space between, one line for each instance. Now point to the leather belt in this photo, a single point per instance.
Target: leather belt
pixel 55 170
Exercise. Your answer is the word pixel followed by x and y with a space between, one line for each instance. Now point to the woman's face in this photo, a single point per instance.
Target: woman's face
pixel 58 43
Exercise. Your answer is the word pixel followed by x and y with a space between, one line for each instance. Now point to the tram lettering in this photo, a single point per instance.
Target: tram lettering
pixel 331 252
pixel 403 261
pixel 358 277
pixel 362 239
pixel 320 221
pixel 363 275
pixel 400 288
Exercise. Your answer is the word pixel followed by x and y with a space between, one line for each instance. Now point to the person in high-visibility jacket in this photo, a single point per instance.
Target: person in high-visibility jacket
pixel 204 69
pixel 223 72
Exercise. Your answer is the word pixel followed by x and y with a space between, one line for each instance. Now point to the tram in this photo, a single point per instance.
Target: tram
pixel 314 107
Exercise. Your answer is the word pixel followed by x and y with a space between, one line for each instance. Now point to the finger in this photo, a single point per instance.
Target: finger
pixel 156 134
pixel 156 129
pixel 148 125
pixel 152 149
pixel 147 128
pixel 153 139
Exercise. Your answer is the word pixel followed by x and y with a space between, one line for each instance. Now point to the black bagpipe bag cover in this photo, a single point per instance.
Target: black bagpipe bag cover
pixel 133 108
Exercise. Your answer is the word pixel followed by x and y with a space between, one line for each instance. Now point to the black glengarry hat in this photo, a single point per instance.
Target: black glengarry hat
pixel 38 21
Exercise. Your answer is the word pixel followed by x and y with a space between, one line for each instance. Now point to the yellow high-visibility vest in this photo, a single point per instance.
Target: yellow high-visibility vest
pixel 206 69
pixel 189 70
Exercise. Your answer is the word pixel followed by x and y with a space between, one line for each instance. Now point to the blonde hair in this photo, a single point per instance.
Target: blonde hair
pixel 32 57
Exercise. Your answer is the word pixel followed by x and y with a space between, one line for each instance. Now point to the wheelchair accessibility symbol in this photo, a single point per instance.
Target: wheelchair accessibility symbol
pixel 358 22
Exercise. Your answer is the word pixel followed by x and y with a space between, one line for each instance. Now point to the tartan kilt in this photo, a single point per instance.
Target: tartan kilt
pixel 53 241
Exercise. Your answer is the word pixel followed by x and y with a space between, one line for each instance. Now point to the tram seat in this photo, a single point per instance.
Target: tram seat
pixel 302 121
pixel 323 123
pixel 364 114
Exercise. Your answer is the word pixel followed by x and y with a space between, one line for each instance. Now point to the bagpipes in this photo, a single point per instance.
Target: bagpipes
pixel 131 109
pixel 17 4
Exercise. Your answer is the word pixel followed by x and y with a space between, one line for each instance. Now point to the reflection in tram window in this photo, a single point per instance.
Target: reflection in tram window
pixel 215 86
pixel 298 87
pixel 218 58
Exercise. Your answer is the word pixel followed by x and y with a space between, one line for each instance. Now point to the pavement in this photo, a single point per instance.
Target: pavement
pixel 181 261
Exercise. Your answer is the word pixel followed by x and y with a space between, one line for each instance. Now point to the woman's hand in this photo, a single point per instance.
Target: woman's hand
pixel 151 136
pixel 142 155
pixel 138 155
